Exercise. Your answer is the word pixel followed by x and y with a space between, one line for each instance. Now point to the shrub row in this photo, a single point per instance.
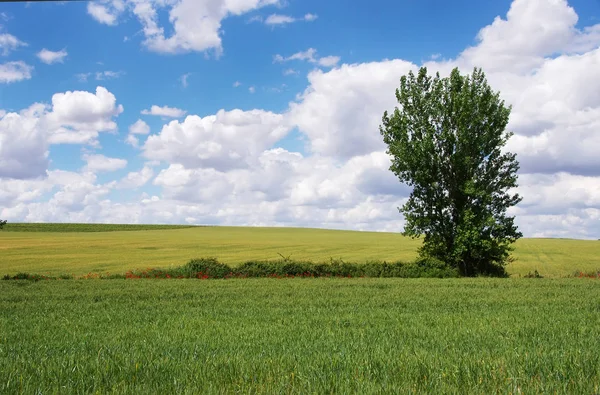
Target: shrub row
pixel 210 268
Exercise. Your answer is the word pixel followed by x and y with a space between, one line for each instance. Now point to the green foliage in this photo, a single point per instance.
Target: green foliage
pixel 2 223
pixel 28 276
pixel 211 268
pixel 300 336
pixel 446 142
pixel 207 266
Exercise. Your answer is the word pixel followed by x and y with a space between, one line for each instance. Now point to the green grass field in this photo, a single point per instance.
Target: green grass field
pixel 300 336
pixel 78 249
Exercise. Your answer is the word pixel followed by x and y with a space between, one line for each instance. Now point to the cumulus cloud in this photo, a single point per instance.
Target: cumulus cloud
pixel 310 55
pixel 196 26
pixel 78 116
pixel 23 144
pixel 107 11
pixel 136 179
pixel 165 111
pixel 9 43
pixel 51 57
pixel 14 72
pixel 531 31
pixel 139 127
pixel 226 140
pixel 340 110
pixel 99 163
pixel 73 117
pixel 132 140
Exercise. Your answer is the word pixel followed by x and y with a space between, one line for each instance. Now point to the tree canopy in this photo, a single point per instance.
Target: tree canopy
pixel 445 140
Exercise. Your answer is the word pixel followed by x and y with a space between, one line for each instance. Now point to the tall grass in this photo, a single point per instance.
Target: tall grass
pixel 300 336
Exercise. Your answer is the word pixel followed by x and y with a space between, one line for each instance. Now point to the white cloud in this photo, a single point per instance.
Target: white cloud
pixel 329 61
pixel 229 139
pixel 100 75
pixel 310 55
pixel 341 110
pixel 108 75
pixel 165 111
pixel 14 72
pixel 132 140
pixel 107 11
pixel 289 72
pixel 139 127
pixel 237 84
pixel 78 116
pixel 23 144
pixel 74 117
pixel 196 25
pixel 51 57
pixel 9 43
pixel 278 19
pixel 252 89
pixel 532 30
pixel 136 179
pixel 99 163
pixel 184 79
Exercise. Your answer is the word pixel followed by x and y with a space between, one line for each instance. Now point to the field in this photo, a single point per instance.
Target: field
pixel 79 249
pixel 300 336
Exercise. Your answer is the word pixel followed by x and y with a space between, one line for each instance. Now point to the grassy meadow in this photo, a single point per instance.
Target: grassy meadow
pixel 79 249
pixel 300 336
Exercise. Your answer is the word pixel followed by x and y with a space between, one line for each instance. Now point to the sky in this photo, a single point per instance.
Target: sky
pixel 267 112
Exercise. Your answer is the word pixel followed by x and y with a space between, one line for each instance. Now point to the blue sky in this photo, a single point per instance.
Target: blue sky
pixel 301 86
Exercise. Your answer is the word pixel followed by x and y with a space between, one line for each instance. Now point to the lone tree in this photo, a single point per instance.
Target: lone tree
pixel 445 141
pixel 2 223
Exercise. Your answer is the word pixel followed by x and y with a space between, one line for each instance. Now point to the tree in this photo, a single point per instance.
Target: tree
pixel 2 223
pixel 446 142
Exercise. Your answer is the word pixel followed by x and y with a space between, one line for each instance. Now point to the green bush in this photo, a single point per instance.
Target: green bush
pixel 207 266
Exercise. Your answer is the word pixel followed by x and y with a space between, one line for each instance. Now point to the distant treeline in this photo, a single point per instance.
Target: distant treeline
pixel 69 227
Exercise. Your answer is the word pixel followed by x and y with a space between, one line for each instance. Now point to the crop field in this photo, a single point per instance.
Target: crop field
pixel 300 336
pixel 79 249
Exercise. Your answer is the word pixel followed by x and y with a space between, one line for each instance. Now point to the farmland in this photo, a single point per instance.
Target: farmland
pixel 300 336
pixel 79 249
